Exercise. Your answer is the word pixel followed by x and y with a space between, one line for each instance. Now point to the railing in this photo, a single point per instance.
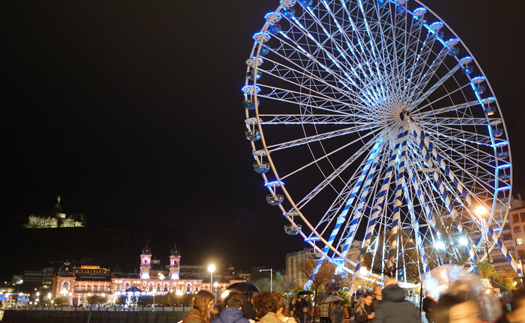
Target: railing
pixel 102 309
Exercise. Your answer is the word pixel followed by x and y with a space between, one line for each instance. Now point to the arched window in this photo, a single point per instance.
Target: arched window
pixel 89 288
pixel 165 288
pixel 83 288
pixel 188 287
pixel 76 287
pixel 150 288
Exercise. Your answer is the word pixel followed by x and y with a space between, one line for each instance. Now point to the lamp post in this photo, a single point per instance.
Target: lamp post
pixel 271 277
pixel 216 284
pixel 211 269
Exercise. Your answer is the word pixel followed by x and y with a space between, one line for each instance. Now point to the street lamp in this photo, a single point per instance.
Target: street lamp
pixel 211 269
pixel 271 277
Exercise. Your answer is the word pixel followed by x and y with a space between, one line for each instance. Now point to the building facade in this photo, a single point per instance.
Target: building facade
pixel 75 284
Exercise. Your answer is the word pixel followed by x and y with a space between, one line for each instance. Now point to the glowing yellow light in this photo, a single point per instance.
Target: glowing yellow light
pixel 481 210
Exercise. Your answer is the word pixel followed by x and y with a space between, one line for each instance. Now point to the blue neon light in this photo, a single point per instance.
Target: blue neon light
pixel 312 239
pixel 274 183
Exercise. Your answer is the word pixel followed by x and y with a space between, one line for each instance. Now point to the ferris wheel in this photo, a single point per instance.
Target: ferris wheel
pixel 374 127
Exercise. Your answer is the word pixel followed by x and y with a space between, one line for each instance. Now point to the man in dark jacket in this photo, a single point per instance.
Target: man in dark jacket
pixel 394 308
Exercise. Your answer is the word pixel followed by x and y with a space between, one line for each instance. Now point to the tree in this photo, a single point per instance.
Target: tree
pixel 286 284
pixel 325 275
pixel 500 277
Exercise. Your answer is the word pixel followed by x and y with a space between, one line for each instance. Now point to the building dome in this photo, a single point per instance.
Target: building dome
pixel 146 250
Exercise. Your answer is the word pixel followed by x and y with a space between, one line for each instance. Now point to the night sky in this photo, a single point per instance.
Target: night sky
pixel 132 112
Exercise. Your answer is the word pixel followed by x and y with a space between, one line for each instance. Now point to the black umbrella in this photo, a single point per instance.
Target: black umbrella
pixel 305 292
pixel 244 287
pixel 320 297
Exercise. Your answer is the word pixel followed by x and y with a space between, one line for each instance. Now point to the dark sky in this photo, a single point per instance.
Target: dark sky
pixel 132 112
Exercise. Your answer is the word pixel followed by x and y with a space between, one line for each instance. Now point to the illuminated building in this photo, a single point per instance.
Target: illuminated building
pixel 77 283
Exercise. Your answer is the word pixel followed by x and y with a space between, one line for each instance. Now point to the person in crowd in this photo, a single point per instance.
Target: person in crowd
pixel 394 308
pixel 308 301
pixel 247 308
pixel 456 308
pixel 353 303
pixel 283 313
pixel 266 307
pixel 202 310
pixel 232 312
pixel 298 309
pixel 219 306
pixel 429 305
pixel 363 310
pixel 378 296
pixel 517 306
pixel 337 315
pixel 305 316
pixel 291 307
pixel 324 310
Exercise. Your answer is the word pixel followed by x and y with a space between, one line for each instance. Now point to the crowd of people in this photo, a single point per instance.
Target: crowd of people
pixel 382 305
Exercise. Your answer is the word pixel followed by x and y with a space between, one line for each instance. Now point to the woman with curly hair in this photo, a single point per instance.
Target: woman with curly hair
pixel 203 308
pixel 266 307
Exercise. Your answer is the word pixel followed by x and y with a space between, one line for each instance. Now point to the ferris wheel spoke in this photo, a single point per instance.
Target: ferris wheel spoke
pixel 421 84
pixel 471 155
pixel 314 119
pixel 461 135
pixel 308 100
pixel 345 68
pixel 437 84
pixel 455 121
pixel 446 96
pixel 458 107
pixel 315 161
pixel 335 174
pixel 324 136
pixel 421 60
pixel 286 73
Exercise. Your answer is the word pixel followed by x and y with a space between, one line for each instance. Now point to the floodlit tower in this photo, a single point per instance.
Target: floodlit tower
pixel 145 262
pixel 174 263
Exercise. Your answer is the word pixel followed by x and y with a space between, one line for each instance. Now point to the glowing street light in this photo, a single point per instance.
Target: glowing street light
pixel 481 210
pixel 440 245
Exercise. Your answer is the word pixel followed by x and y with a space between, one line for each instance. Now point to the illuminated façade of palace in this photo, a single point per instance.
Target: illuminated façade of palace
pixel 76 283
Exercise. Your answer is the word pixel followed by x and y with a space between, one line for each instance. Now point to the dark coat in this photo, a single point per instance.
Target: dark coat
pixel 248 311
pixel 362 317
pixel 338 314
pixel 231 315
pixel 394 308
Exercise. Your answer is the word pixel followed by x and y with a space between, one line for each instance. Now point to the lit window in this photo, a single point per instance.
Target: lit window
pixel 519 241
